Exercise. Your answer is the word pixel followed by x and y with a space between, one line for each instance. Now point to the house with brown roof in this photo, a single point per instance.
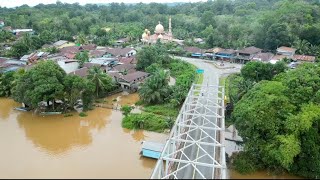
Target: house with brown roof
pixel 71 49
pixel 89 47
pixel 82 72
pixel 121 52
pixel 127 60
pixel 130 81
pixel 128 68
pixel 98 53
pixel 287 51
pixel 304 58
pixel 246 54
pixel 263 57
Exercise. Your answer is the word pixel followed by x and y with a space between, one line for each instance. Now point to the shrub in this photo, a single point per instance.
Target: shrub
pixel 83 114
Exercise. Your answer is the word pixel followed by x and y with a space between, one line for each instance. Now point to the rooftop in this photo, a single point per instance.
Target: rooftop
pixel 250 50
pixel 286 49
pixel 83 72
pixel 134 76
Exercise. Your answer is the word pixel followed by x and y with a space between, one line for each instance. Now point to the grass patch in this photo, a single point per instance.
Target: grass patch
pixel 162 109
pixel 147 121
pixel 83 114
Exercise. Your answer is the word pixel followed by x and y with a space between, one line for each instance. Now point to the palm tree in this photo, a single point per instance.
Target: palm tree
pixel 102 81
pixel 156 88
pixel 303 46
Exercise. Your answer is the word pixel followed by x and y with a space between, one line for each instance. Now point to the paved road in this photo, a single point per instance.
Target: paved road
pixel 211 77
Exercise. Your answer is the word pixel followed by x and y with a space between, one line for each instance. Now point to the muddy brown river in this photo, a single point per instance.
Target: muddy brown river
pixel 96 146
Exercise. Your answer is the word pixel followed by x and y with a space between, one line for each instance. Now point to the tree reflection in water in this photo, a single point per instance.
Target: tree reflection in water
pixel 57 134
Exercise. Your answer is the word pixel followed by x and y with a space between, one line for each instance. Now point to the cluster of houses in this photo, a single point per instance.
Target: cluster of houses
pixel 249 54
pixel 119 63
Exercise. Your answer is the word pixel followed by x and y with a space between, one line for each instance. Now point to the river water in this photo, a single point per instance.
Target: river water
pixel 55 146
pixel 95 146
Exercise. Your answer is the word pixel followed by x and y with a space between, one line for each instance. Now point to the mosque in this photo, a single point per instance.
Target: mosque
pixel 159 33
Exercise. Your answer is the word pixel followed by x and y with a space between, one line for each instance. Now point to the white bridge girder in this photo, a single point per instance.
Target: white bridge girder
pixel 195 148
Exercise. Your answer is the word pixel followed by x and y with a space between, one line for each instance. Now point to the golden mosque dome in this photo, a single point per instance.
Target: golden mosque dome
pixel 159 29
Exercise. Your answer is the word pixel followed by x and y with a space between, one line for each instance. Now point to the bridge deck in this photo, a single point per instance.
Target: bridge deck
pixel 195 148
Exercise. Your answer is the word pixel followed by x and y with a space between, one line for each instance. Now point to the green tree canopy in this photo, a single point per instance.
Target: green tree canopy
pixel 44 82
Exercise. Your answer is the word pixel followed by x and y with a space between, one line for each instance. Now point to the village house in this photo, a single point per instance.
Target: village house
pixel 120 52
pixel 125 68
pixel 303 58
pixel 129 82
pixel 195 51
pixel 59 44
pixel 98 53
pixel 7 65
pixel 211 52
pixel 225 55
pixel 263 57
pixel 105 62
pixel 127 60
pixel 286 51
pixel 69 65
pixel 246 54
pixel 82 72
pixel 89 47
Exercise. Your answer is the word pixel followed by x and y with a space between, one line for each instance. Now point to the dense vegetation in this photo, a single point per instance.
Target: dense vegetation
pixel 227 23
pixel 278 118
pixel 47 82
pixel 160 99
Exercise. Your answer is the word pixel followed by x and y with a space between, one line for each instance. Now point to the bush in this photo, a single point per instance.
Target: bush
pixel 244 163
pixel 126 110
pixel 147 121
pixel 162 109
pixel 83 114
pixel 68 115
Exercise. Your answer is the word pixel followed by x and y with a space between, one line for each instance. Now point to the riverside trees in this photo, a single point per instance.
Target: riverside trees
pixel 48 82
pixel 279 123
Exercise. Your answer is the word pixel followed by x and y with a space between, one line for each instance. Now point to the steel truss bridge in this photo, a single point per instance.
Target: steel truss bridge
pixel 195 148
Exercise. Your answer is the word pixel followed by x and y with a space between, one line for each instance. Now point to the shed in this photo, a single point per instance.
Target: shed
pixel 151 149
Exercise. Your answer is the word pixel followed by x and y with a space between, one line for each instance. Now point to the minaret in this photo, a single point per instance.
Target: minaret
pixel 170 32
pixel 170 29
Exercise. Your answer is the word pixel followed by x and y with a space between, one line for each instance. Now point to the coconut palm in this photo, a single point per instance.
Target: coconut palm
pixel 102 81
pixel 156 88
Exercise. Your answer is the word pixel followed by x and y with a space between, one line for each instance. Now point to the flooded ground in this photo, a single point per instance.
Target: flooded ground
pixel 95 146
pixel 55 146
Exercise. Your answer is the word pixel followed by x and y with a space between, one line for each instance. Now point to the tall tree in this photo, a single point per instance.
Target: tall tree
pixel 155 89
pixel 44 82
pixel 101 80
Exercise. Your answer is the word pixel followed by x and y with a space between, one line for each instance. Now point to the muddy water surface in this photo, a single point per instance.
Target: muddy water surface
pixel 55 146
pixel 95 146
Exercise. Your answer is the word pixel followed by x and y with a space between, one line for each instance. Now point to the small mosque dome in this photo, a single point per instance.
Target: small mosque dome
pixel 160 36
pixel 144 36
